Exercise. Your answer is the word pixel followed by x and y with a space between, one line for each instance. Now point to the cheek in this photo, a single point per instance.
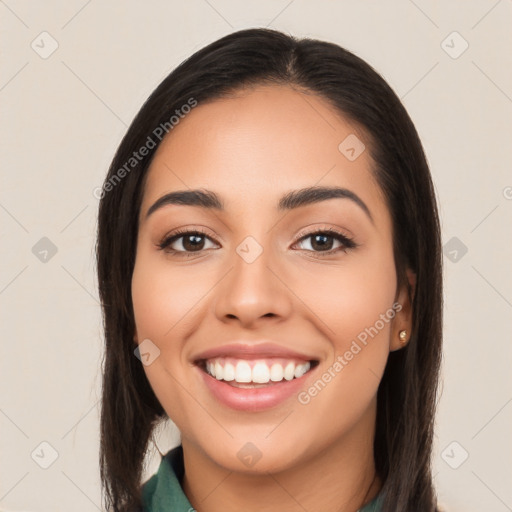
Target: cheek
pixel 164 301
pixel 354 310
pixel 350 300
pixel 163 304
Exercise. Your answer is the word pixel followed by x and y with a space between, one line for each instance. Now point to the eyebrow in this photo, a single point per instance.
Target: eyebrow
pixel 291 200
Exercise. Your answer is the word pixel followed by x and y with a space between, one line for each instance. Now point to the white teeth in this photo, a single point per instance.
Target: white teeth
pixel 260 373
pixel 229 372
pixel 276 373
pixel 219 371
pixel 243 372
pixel 289 371
pixel 300 370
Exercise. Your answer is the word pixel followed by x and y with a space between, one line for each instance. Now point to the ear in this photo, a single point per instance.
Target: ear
pixel 403 318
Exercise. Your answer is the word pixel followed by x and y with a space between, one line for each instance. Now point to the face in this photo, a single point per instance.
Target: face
pixel 258 289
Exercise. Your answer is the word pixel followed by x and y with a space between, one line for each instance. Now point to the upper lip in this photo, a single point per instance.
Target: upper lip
pixel 250 350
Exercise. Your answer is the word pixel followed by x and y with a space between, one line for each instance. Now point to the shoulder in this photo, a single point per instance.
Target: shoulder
pixel 163 490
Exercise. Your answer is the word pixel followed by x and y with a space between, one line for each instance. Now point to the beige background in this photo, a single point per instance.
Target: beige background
pixel 63 116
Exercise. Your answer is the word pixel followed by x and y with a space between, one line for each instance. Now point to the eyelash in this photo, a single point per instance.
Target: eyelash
pixel 347 242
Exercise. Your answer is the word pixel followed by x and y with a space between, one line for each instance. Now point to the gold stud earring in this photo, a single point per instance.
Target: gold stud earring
pixel 403 336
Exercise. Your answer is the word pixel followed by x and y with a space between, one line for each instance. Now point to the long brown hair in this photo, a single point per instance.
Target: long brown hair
pixel 407 395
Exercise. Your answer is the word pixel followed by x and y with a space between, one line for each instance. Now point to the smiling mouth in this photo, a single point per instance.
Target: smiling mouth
pixel 255 373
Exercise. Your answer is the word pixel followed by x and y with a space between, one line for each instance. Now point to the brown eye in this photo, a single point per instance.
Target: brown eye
pixel 323 241
pixel 193 242
pixel 185 242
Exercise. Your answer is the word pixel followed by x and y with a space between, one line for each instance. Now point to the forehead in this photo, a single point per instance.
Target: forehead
pixel 259 143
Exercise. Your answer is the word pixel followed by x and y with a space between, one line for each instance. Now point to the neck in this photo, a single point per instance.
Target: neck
pixel 339 478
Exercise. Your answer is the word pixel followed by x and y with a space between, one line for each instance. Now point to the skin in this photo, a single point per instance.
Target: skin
pixel 251 149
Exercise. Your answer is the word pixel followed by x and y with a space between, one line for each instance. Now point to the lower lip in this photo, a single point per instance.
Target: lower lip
pixel 255 399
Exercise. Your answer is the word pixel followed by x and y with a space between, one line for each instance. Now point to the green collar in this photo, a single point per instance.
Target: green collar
pixel 163 490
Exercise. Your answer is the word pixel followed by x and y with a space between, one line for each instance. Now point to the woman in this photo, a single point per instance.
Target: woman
pixel 270 273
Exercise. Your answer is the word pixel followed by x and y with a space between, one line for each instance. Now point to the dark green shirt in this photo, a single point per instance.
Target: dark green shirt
pixel 163 492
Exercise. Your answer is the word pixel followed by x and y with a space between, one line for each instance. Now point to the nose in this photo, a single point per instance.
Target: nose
pixel 253 292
